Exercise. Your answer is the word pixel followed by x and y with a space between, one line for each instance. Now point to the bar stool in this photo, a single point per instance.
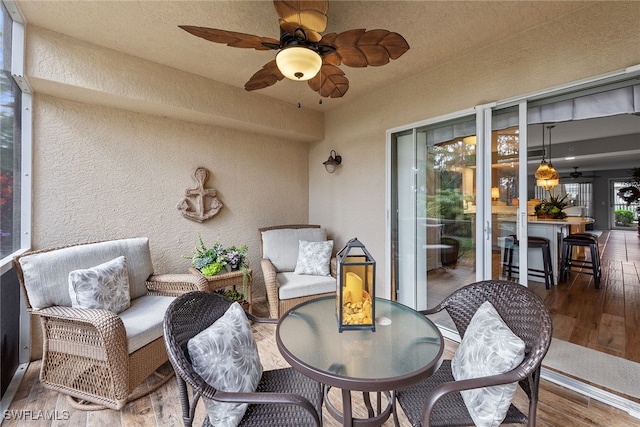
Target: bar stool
pixel 533 242
pixel 570 264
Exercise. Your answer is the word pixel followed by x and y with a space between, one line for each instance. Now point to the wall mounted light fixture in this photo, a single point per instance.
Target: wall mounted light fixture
pixel 333 161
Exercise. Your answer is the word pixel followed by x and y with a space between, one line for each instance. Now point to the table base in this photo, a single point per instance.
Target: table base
pixel 346 415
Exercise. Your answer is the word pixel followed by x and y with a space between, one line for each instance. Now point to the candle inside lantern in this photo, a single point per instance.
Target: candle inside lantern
pixel 354 287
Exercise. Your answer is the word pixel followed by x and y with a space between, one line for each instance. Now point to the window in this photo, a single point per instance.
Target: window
pixel 10 145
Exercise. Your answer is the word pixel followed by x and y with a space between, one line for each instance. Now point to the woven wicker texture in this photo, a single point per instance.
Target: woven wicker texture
pixel 85 350
pixel 525 314
pixel 283 397
pixel 278 307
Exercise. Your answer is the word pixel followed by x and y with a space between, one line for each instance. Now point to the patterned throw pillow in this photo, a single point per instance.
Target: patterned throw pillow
pixel 314 258
pixel 226 356
pixel 489 347
pixel 104 286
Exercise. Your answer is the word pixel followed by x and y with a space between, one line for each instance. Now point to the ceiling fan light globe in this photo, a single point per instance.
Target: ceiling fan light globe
pixel 298 63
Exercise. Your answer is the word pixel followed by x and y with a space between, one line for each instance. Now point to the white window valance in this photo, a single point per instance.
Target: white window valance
pixel 613 102
pixel 625 100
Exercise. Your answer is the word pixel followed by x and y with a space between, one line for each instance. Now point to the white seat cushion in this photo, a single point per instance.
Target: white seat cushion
pixel 281 245
pixel 291 285
pixel 46 274
pixel 143 320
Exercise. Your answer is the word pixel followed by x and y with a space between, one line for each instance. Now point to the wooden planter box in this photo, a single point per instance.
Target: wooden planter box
pixel 226 280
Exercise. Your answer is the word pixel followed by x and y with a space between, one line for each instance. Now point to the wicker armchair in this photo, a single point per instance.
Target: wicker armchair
pixel 283 397
pixel 437 401
pixel 282 242
pixel 94 355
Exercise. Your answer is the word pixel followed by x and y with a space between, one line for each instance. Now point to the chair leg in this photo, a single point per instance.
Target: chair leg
pixel 595 265
pixel 547 267
pixel 563 263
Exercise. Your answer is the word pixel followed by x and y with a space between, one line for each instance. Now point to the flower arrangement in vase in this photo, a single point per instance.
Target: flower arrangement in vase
pixel 217 259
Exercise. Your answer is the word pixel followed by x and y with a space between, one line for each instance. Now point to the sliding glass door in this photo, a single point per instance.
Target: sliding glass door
pixel 507 180
pixel 455 187
pixel 433 202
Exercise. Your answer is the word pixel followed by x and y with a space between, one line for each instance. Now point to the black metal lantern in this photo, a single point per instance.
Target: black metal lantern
pixel 355 299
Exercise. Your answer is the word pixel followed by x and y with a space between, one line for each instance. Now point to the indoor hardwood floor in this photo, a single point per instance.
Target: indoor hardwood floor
pixel 605 319
pixel 558 407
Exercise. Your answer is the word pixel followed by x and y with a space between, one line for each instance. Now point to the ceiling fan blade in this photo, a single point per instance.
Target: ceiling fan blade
pixel 330 82
pixel 309 15
pixel 361 48
pixel 267 76
pixel 232 38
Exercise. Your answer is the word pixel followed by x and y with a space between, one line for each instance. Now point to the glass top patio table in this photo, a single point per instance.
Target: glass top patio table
pixel 405 348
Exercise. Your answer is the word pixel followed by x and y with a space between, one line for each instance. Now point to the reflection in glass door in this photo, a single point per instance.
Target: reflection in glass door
pixel 433 207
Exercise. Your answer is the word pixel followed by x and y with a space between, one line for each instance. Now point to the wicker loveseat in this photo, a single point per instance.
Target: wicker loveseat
pixel 279 249
pixel 95 355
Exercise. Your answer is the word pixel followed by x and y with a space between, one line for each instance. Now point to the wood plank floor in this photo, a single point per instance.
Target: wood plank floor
pixel 605 319
pixel 558 407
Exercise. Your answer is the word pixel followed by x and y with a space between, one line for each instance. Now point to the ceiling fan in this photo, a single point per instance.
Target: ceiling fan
pixel 305 54
pixel 576 174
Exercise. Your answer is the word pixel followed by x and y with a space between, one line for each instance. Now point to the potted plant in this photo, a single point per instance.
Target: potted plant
pixel 217 259
pixel 552 208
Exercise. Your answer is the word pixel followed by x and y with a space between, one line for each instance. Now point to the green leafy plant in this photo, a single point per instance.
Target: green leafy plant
pixel 232 294
pixel 213 260
pixel 624 217
pixel 553 207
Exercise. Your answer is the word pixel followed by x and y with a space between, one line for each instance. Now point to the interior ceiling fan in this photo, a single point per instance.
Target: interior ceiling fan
pixel 305 54
pixel 576 174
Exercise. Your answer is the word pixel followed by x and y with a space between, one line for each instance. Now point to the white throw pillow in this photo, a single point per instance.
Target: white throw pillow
pixel 226 356
pixel 489 347
pixel 314 258
pixel 104 286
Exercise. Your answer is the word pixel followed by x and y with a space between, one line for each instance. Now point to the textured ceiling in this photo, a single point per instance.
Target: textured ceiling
pixel 437 32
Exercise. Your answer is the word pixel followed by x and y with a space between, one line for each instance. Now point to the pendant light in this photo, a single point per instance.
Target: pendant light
pixel 546 175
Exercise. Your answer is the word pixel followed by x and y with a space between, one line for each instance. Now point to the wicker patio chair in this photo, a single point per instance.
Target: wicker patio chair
pixel 437 400
pixel 283 397
pixel 95 356
pixel 281 242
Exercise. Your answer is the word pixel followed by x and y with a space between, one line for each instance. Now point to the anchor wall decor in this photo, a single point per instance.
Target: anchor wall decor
pixel 200 203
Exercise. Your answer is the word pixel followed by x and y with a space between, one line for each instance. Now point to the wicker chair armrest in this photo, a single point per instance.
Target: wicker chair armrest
pixel 271 286
pixel 103 320
pixel 268 399
pixel 91 333
pixel 175 284
pixel 468 384
pixel 433 310
pixel 256 319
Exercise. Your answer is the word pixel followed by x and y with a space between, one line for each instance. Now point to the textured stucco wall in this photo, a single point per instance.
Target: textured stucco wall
pixel 103 173
pixel 116 141
pixel 600 38
pixel 117 138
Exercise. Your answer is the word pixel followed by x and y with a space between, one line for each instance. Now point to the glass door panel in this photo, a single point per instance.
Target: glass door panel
pixel 505 194
pixel 433 186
